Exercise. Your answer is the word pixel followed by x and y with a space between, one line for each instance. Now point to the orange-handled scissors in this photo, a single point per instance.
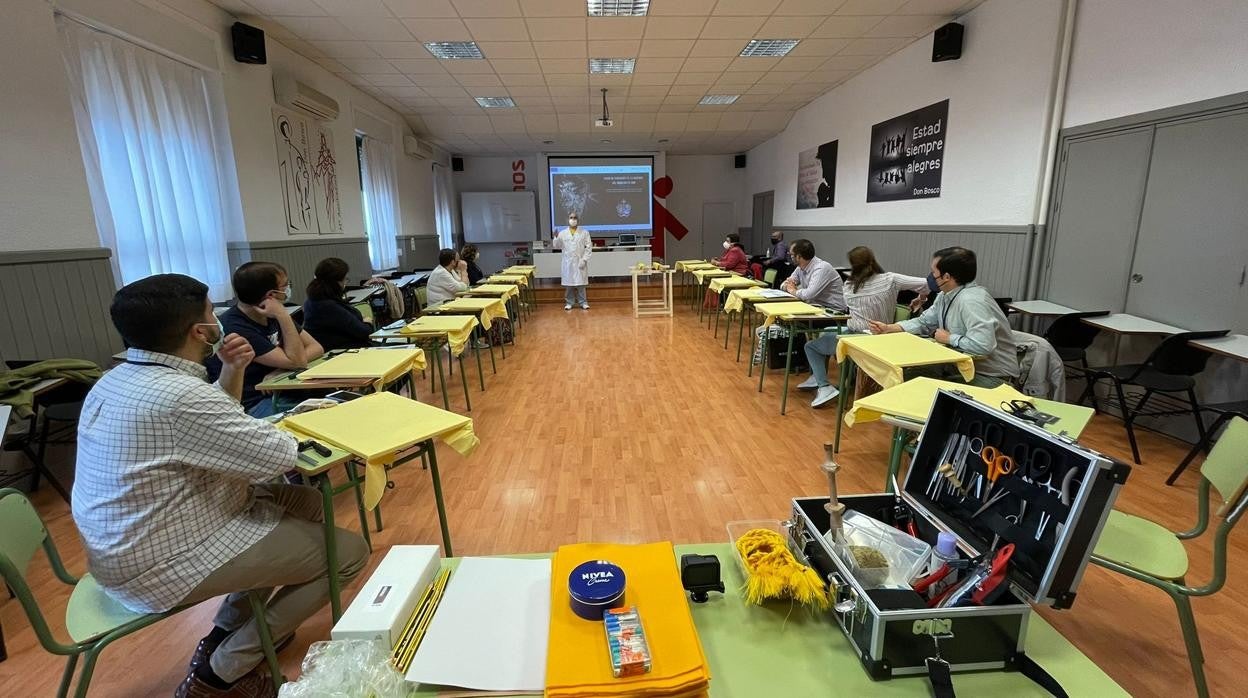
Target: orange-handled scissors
pixel 998 464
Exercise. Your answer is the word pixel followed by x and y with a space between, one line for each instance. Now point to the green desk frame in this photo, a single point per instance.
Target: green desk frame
pixel 796 324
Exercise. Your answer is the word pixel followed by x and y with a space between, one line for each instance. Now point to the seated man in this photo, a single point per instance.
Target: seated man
pixel 260 317
pixel 447 279
pixel 814 281
pixel 172 494
pixel 964 317
pixel 777 258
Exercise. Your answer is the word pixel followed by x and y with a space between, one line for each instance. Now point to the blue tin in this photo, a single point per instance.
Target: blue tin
pixel 594 587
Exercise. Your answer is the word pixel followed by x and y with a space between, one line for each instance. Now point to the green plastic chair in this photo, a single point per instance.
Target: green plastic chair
pixel 901 313
pixel 92 618
pixel 1144 550
pixel 769 277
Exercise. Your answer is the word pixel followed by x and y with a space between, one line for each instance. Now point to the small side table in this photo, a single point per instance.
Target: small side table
pixel 653 307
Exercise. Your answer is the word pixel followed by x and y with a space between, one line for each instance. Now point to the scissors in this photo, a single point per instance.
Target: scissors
pixel 997 463
pixel 1017 408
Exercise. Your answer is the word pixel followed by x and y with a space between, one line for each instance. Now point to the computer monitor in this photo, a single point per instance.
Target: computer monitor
pixel 627 239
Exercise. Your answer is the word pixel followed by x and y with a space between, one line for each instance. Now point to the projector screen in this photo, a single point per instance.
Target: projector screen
pixel 612 195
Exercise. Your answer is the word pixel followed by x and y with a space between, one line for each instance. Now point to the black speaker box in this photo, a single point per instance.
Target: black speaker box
pixel 739 161
pixel 457 164
pixel 947 43
pixel 248 44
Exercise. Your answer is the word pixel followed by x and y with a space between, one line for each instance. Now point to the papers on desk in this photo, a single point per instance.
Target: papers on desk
pixel 410 279
pixel 360 295
pixel 773 293
pixel 491 629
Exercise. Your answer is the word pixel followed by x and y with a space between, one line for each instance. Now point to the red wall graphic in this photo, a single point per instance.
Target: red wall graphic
pixel 663 220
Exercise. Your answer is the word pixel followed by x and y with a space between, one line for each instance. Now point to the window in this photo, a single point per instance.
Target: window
pixel 380 194
pixel 158 160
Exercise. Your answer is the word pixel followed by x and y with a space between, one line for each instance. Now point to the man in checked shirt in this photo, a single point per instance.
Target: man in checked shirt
pixel 174 493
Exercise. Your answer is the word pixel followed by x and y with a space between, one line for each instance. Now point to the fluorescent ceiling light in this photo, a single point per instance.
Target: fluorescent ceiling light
pixel 719 99
pixel 612 65
pixel 768 47
pixel 496 102
pixel 617 8
pixel 454 50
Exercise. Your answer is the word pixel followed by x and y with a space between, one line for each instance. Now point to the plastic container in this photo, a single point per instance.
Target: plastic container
pixel 594 587
pixel 906 555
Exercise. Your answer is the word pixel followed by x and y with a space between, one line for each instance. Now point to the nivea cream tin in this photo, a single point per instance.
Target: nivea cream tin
pixel 594 587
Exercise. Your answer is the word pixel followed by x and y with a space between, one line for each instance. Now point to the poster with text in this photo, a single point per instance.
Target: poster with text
pixel 908 154
pixel 816 177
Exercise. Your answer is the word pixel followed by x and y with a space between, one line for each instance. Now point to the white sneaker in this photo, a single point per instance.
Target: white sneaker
pixel 825 395
pixel 567 306
pixel 584 306
pixel 808 384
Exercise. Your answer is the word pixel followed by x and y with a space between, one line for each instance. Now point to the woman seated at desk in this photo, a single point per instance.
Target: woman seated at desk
pixel 327 316
pixel 734 258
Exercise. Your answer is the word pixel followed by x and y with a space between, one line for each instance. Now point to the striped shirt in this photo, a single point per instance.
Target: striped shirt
pixel 162 492
pixel 876 299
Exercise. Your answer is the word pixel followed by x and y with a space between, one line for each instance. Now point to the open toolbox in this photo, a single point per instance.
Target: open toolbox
pixel 1046 512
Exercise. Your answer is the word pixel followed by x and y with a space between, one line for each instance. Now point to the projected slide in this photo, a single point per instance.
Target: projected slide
pixel 612 197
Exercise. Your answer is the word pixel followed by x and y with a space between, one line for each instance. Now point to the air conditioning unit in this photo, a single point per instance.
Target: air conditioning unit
pixel 291 93
pixel 421 150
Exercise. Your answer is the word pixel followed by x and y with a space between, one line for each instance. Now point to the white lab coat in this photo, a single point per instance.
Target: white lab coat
pixel 576 251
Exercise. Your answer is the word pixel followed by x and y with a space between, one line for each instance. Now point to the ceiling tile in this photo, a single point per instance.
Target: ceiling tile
pixel 770 119
pixel 646 102
pixel 872 47
pixel 332 65
pixel 656 65
pixel 434 79
pixel 523 79
pixel 784 77
pixel 674 27
pixel 615 82
pixel 679 90
pixel 345 49
pixel 399 49
pixel 754 63
pixel 934 7
pixel 763 87
pixel 421 8
pixel 567 85
pixel 666 48
pixel 515 65
pixel 684 78
pixel 671 122
pixel 731 27
pixel 847 62
pixel 293 8
pixel 445 92
pixel 746 7
pixel 654 78
pixel 384 80
pixel 818 47
pixel 410 66
pixel 405 92
pixel 438 29
pixel 718 47
pixel 614 48
pixel 845 27
pixel 467 66
pixel 507 123
pixel 487 8
pixel 526 90
pixel 557 29
pixel 553 8
pixel 564 65
pixel 808 7
pixel 869 7
pixel 639 122
pixel 573 122
pixel 483 80
pixel 368 65
pixel 354 8
pixel 734 121
pixel 702 121
pixel 800 63
pixel 310 28
pixel 507 49
pixel 562 49
pixel 505 29
pixel 908 25
pixel 647 90
pixel 616 27
pixel 786 28
pixel 681 7
pixel 706 65
pixel 376 28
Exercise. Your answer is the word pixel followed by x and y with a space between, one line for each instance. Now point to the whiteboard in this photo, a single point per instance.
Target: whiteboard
pixel 507 216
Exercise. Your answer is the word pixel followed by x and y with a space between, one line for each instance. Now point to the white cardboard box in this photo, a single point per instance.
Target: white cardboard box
pixel 387 600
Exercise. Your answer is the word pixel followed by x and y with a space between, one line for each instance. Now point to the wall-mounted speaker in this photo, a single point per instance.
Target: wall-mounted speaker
pixel 947 43
pixel 457 164
pixel 248 43
pixel 739 161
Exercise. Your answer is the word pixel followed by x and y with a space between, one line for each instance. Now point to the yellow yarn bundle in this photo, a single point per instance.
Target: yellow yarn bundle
pixel 775 574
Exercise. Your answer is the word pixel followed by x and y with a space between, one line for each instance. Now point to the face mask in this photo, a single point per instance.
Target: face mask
pixel 215 345
pixel 572 222
pixel 727 244
pixel 775 239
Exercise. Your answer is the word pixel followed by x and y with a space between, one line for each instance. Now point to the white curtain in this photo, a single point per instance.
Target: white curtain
pixel 150 138
pixel 381 204
pixel 443 214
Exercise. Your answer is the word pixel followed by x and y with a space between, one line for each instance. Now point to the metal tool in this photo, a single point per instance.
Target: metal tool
pixel 951 446
pixel 989 504
pixel 997 463
pixel 902 516
pixel 948 471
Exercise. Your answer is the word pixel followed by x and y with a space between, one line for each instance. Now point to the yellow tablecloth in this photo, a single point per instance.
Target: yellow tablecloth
pixel 737 297
pixel 377 427
pixel 884 357
pixel 522 269
pixel 711 273
pixel 383 365
pixel 457 328
pixel 692 264
pixel 913 400
pixel 727 282
pixel 521 279
pixel 577 662
pixel 490 309
pixel 507 291
pixel 771 311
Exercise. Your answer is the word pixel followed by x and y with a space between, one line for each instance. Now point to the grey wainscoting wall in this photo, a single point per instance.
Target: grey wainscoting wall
pixel 55 305
pixel 1002 251
pixel 418 252
pixel 301 255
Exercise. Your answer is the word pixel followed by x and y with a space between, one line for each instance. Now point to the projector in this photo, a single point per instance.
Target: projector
pixel 604 123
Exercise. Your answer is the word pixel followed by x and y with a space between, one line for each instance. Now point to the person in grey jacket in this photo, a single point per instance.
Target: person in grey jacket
pixel 965 317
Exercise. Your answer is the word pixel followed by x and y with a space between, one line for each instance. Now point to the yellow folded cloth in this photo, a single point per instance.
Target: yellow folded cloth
pixel 457 328
pixel 885 357
pixel 378 427
pixel 578 664
pixel 385 365
pixel 771 311
pixel 489 309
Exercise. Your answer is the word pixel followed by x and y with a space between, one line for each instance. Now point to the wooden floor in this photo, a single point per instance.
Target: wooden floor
pixel 599 427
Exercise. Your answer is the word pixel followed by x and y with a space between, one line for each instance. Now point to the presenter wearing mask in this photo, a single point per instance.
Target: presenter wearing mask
pixel 577 247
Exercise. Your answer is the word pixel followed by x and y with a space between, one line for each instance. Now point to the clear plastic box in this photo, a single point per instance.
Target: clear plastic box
pixel 907 556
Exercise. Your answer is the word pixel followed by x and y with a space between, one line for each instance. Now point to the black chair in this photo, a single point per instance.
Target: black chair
pixel 1169 369
pixel 55 420
pixel 1225 411
pixel 1071 337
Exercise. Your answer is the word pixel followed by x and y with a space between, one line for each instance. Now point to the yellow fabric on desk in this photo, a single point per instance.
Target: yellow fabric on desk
pixel 505 290
pixel 726 282
pixel 737 297
pixel 577 663
pixel 771 311
pixel 490 309
pixel 913 399
pixel 378 427
pixel 713 272
pixel 885 357
pixel 457 328
pixel 385 365
pixel 521 279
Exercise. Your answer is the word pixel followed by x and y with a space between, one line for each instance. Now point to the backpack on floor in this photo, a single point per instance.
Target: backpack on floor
pixel 501 332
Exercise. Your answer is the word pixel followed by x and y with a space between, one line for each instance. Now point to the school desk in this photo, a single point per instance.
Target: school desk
pixel 796 317
pixel 743 300
pixel 486 311
pixel 727 283
pixel 431 333
pixel 510 293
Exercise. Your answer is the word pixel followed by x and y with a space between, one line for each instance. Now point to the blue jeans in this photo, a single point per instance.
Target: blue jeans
pixel 575 295
pixel 263 409
pixel 818 351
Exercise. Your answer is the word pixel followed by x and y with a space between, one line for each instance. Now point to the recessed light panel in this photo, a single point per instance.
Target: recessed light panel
pixel 718 99
pixel 612 65
pixel 769 47
pixel 618 8
pixel 496 102
pixel 454 50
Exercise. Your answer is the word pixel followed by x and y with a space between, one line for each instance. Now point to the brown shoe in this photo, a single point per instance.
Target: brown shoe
pixel 206 647
pixel 256 684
